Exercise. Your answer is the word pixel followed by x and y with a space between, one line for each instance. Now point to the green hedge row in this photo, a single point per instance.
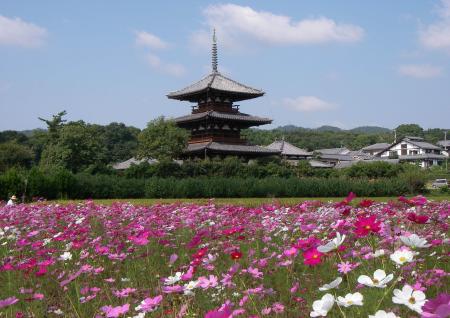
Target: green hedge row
pixel 271 187
pixel 59 184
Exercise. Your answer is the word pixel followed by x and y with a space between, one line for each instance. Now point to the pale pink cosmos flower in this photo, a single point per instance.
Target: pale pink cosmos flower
pixel 8 302
pixel 114 312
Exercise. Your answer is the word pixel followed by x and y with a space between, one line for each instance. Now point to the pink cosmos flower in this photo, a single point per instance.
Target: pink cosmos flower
pixel 206 283
pixel 346 267
pixel 312 257
pixel 220 313
pixel 366 225
pixel 114 312
pixel 150 304
pixel 8 302
pixel 438 307
pixel 290 252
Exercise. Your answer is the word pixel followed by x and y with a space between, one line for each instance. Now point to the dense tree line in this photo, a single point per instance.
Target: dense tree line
pixel 78 146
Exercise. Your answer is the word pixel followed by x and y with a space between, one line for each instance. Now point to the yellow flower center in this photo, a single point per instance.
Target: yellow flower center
pixel 402 259
pixel 412 300
pixel 315 256
pixel 367 227
pixel 376 281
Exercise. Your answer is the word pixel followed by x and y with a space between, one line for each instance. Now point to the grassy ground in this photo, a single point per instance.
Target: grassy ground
pixel 248 202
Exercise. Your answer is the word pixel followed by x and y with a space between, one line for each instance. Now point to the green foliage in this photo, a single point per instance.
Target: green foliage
pixel 13 154
pixel 12 182
pixel 271 187
pixel 54 124
pixel 409 130
pixel 373 170
pixel 77 147
pixel 161 139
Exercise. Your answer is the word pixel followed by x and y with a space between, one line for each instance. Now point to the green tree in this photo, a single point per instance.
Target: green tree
pixel 161 139
pixel 13 154
pixel 409 130
pixel 55 124
pixel 77 147
pixel 120 141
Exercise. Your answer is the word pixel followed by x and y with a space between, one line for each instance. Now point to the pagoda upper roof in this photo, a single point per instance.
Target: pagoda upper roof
pixel 216 82
pixel 241 117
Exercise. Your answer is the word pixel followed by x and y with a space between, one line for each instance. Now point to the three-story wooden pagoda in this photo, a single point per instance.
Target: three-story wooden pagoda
pixel 215 123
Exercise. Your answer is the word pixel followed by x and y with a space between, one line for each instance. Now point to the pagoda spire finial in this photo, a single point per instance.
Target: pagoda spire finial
pixel 214 52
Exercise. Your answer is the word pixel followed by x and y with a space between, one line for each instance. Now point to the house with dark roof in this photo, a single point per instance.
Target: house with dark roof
pixel 414 150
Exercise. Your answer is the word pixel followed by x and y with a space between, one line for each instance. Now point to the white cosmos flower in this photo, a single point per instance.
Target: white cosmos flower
pixel 335 283
pixel 379 279
pixel 401 257
pixel 173 279
pixel 350 300
pixel 414 241
pixel 65 256
pixel 378 253
pixel 323 306
pixel 189 287
pixel 383 314
pixel 413 299
pixel 333 244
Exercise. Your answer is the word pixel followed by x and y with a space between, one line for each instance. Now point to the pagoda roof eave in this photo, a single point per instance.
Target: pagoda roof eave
pixel 234 117
pixel 216 82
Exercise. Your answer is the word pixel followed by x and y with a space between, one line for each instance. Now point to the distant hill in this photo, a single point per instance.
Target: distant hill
pixel 370 130
pixel 357 130
pixel 328 128
pixel 30 132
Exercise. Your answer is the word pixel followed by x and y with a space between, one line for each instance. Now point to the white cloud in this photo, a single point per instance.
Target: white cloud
pixel 172 69
pixel 307 104
pixel 436 36
pixel 237 24
pixel 16 32
pixel 147 39
pixel 420 70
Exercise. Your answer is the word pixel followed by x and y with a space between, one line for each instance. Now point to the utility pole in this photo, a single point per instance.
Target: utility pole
pixel 447 150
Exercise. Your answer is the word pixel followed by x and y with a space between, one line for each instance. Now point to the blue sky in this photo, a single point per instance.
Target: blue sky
pixel 344 63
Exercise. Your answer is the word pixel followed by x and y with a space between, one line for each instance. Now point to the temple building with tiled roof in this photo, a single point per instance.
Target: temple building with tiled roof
pixel 215 123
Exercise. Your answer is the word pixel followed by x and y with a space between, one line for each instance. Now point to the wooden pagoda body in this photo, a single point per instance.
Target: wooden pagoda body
pixel 215 122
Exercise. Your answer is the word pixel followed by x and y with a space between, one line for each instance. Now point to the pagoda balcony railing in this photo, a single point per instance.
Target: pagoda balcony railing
pixel 220 107
pixel 228 140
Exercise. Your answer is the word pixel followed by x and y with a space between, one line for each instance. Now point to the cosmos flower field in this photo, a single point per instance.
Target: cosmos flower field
pixel 346 259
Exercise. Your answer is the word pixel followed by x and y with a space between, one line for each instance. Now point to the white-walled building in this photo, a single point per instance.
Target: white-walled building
pixel 414 150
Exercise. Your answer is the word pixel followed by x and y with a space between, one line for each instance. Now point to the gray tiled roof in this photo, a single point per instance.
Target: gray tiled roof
pixel 288 149
pixel 336 157
pixel 228 116
pixel 218 82
pixel 320 164
pixel 444 143
pixel 378 146
pixel 423 144
pixel 230 148
pixel 132 161
pixel 333 151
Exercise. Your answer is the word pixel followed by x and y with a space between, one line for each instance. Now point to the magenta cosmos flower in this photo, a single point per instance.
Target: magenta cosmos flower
pixel 438 307
pixel 312 257
pixel 366 225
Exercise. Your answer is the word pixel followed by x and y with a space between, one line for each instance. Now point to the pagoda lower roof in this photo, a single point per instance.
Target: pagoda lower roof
pixel 215 81
pixel 240 117
pixel 230 148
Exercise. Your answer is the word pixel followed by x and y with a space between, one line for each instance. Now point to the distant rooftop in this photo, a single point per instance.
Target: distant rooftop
pixel 288 149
